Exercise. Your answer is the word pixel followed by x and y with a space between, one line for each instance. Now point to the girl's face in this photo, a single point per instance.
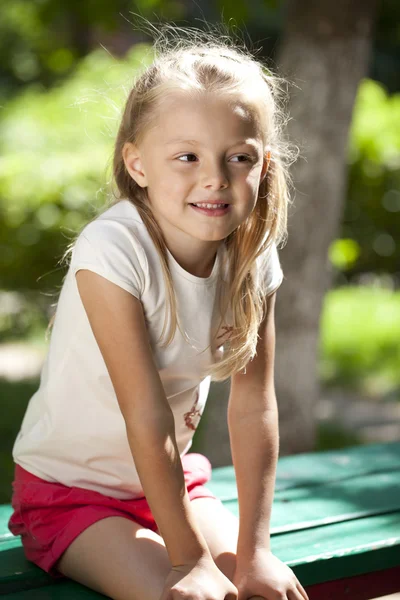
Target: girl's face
pixel 199 150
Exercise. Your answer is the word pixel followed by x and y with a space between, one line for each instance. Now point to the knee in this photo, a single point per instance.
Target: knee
pixel 226 562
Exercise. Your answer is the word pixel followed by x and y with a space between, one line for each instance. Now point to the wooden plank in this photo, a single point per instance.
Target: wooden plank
pixel 342 549
pixel 65 590
pixel 319 555
pixel 325 520
pixel 17 573
pixel 335 502
pixel 5 514
pixel 315 469
pixel 353 588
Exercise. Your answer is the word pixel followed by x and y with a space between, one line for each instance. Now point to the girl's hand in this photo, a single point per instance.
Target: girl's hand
pixel 267 577
pixel 201 580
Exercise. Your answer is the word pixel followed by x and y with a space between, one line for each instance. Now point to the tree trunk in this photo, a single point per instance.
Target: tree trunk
pixel 324 51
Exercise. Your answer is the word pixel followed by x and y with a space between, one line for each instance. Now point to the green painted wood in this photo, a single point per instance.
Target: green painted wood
pixel 67 590
pixel 301 470
pixel 316 469
pixel 14 542
pixel 17 573
pixel 322 554
pixel 5 514
pixel 335 514
pixel 342 549
pixel 335 502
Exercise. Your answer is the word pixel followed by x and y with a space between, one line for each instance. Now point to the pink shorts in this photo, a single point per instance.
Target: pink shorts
pixel 49 516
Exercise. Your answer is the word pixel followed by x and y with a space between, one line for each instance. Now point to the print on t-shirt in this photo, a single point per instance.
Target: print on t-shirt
pixel 192 418
pixel 226 334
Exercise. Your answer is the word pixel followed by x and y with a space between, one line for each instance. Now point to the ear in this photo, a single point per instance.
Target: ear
pixel 267 160
pixel 133 163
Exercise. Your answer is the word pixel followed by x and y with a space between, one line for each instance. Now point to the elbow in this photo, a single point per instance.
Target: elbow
pixel 156 425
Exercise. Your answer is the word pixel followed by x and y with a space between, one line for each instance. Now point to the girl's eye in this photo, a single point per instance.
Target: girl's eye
pixel 245 156
pixel 190 154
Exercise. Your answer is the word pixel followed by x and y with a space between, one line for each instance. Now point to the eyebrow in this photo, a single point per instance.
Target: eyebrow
pixel 249 142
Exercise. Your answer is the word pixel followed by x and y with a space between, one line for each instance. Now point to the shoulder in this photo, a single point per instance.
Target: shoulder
pixel 112 248
pixel 120 222
pixel 113 235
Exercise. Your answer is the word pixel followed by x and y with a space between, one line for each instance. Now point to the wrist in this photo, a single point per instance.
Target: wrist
pixel 253 538
pixel 246 556
pixel 191 556
pixel 194 559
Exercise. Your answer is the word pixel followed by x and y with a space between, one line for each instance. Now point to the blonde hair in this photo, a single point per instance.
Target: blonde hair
pixel 195 62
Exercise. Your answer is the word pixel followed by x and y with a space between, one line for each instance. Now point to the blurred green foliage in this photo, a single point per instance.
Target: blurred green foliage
pixel 359 343
pixel 369 238
pixel 374 135
pixel 343 253
pixel 55 150
pixel 372 210
pixel 43 41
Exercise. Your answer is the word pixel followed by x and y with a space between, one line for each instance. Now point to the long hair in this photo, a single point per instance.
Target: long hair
pixel 196 62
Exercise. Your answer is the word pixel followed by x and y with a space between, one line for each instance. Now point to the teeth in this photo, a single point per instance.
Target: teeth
pixel 210 205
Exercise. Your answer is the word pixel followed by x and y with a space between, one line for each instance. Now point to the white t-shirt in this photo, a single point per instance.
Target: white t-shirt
pixel 73 431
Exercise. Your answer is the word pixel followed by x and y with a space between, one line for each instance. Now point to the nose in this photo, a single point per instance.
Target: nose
pixel 215 177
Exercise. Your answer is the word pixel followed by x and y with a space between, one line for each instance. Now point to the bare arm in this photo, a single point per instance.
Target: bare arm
pixel 118 324
pixel 253 429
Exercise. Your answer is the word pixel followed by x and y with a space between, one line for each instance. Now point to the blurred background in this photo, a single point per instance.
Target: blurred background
pixel 65 70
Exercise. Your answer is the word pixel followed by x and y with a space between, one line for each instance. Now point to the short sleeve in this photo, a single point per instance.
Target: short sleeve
pixel 270 270
pixel 110 249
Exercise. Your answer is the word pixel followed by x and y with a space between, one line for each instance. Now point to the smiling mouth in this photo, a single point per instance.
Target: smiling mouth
pixel 212 212
pixel 213 206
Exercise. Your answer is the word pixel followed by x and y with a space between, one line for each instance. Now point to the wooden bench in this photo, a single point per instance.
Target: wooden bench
pixel 335 522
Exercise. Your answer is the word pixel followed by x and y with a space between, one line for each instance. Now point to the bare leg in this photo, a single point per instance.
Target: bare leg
pixel 125 561
pixel 118 558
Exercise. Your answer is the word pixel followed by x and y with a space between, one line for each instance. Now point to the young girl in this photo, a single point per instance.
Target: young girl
pixel 105 491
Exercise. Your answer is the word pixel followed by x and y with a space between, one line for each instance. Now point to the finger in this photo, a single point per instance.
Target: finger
pixel 302 591
pixel 294 595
